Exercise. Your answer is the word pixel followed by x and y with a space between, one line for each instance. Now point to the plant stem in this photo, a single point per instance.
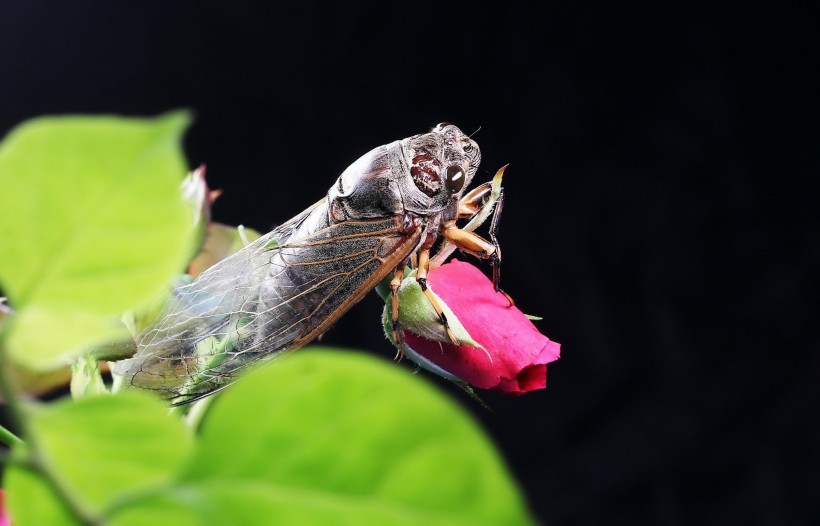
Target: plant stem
pixel 9 438
pixel 34 458
pixel 7 390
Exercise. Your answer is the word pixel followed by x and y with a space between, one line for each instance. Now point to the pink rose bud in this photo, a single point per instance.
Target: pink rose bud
pixel 515 354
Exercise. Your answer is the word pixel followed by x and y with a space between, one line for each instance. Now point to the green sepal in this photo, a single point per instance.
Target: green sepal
pixel 417 315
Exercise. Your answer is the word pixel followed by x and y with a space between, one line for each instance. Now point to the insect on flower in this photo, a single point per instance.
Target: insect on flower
pixel 286 288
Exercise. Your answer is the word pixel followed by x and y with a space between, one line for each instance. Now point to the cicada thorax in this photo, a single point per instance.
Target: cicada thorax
pixel 422 175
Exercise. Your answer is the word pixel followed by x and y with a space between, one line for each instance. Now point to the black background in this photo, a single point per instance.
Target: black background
pixel 660 209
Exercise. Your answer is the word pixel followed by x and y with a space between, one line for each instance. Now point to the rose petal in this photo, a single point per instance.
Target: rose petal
pixel 518 352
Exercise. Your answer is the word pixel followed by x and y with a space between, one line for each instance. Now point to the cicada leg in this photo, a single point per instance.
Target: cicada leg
pixel 470 204
pixel 496 261
pixel 395 283
pixel 421 278
pixel 477 246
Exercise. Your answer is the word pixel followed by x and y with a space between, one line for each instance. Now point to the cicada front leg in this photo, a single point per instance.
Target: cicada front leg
pixel 470 204
pixel 472 243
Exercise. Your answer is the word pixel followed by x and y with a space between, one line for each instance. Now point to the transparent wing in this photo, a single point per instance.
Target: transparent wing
pixel 276 294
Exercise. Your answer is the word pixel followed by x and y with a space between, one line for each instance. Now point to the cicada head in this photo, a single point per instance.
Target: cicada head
pixel 423 174
pixel 441 164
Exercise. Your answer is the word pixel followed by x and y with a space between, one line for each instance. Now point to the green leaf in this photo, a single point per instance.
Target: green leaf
pixel 31 501
pixel 108 448
pixel 252 503
pixel 95 226
pixel 167 509
pixel 342 438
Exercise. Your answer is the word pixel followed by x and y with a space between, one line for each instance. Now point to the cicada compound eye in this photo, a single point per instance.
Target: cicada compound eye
pixel 454 179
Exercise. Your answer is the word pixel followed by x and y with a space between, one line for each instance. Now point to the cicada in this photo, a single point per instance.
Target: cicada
pixel 286 288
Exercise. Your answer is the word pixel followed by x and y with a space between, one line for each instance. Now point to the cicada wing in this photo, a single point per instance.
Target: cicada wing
pixel 276 294
pixel 200 311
